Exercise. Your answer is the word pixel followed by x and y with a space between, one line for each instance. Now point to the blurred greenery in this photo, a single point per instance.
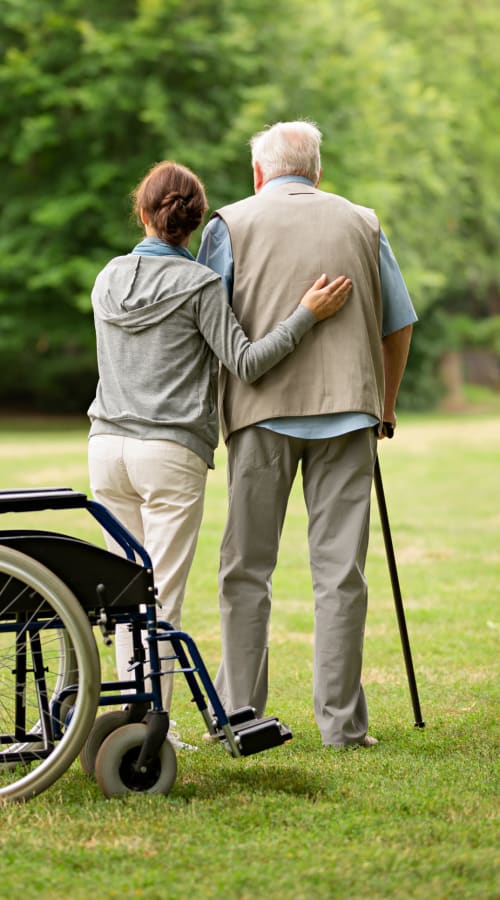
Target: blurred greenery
pixel 91 94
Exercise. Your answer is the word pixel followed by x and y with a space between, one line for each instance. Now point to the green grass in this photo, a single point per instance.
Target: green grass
pixel 417 816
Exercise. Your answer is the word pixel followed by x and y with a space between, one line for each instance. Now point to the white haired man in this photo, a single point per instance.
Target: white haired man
pixel 320 408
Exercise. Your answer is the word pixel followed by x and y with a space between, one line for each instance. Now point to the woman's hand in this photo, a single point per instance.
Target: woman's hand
pixel 325 300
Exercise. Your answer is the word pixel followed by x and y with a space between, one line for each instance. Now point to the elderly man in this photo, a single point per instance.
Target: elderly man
pixel 321 407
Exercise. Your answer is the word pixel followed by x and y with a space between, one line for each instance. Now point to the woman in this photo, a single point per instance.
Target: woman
pixel 162 324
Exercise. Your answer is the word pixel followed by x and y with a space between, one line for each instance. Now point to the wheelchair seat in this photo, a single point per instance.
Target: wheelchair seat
pixel 98 579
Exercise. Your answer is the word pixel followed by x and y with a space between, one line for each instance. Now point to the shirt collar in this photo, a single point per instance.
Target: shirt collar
pixel 154 246
pixel 286 179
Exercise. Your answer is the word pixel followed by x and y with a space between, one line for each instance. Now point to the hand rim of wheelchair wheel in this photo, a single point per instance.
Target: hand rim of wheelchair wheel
pixel 65 608
pixel 115 770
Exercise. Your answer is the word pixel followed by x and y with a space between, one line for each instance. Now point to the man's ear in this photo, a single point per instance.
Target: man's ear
pixel 258 177
pixel 320 176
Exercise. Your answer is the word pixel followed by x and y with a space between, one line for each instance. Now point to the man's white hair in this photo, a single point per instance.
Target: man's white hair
pixel 288 148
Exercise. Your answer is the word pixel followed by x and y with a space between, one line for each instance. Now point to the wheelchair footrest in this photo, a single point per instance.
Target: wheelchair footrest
pixel 255 735
pixel 244 714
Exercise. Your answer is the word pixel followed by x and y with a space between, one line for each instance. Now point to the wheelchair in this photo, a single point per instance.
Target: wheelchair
pixel 57 593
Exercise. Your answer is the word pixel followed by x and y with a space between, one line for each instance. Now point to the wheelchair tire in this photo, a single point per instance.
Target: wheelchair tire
pixel 103 726
pixel 114 767
pixel 34 600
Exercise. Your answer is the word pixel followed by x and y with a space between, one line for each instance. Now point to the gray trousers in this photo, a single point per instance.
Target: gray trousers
pixel 337 477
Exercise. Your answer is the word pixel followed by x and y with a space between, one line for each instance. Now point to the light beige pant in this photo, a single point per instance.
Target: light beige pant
pixel 337 477
pixel 156 489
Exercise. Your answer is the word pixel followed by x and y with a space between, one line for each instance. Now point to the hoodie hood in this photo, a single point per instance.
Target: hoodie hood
pixel 136 292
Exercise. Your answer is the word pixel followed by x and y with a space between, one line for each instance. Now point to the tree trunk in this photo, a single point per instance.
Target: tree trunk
pixel 451 374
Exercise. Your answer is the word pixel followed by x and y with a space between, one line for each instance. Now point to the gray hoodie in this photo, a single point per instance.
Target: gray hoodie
pixel 162 323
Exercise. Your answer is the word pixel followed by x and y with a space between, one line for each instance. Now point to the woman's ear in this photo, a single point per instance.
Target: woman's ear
pixel 144 216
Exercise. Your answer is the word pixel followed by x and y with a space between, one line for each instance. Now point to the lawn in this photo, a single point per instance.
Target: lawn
pixel 416 816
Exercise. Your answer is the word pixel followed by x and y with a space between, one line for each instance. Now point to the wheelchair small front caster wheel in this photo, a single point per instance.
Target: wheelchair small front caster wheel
pixel 115 765
pixel 103 726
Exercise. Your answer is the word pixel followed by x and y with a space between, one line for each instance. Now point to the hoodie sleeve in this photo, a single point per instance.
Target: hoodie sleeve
pixel 246 359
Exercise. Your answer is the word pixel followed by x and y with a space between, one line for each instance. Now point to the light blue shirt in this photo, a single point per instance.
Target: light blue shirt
pixel 155 246
pixel 397 312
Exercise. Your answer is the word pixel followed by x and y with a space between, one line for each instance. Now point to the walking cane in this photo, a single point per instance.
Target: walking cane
pixel 396 590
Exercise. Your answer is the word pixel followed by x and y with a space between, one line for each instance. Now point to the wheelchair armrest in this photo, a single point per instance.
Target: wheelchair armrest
pixel 20 500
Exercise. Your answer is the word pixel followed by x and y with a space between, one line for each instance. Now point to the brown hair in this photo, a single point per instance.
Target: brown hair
pixel 174 200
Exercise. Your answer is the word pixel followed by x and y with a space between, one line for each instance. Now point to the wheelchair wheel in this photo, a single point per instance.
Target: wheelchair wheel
pixel 103 726
pixel 115 764
pixel 60 658
pixel 46 645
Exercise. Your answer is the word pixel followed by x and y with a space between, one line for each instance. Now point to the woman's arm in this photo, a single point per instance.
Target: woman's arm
pixel 249 360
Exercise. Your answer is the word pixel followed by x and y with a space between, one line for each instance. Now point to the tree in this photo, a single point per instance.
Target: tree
pixel 90 96
pixel 457 47
pixel 92 93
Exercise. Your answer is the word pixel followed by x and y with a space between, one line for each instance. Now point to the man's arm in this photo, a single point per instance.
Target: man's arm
pixel 398 318
pixel 216 252
pixel 395 348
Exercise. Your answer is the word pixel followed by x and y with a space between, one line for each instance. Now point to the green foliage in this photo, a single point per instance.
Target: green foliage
pixel 468 332
pixel 421 389
pixel 97 99
pixel 92 93
pixel 457 49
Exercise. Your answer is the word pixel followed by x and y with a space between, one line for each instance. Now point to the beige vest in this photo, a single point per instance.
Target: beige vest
pixel 282 240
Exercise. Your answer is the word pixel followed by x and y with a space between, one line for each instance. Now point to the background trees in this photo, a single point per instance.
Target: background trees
pixel 92 93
